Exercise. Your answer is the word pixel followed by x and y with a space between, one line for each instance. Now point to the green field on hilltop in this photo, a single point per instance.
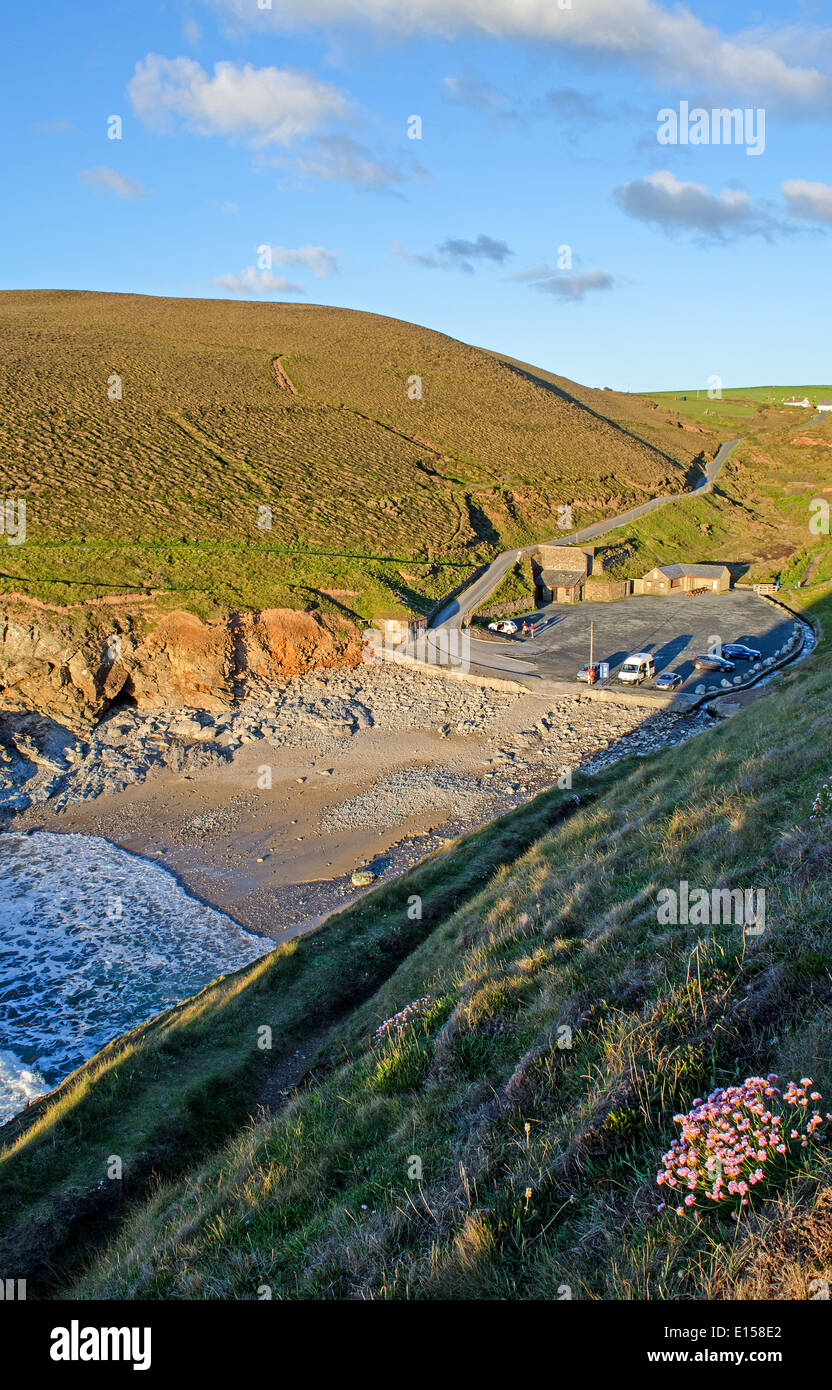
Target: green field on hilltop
pixel 739 404
pixel 771 395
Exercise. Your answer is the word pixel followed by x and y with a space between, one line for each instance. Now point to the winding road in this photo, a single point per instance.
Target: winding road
pixel 511 659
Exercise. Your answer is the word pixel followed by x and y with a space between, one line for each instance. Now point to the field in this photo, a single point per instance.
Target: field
pixel 742 405
pixel 377 502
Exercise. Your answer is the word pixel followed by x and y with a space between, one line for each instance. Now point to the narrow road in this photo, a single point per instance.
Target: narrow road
pixel 455 610
pixel 512 659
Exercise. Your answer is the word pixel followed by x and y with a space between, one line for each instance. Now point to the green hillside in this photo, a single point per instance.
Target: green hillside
pixel 756 517
pixel 548 1029
pixel 148 435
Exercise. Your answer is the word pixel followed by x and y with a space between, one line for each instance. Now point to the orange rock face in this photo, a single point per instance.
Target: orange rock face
pixel 815 443
pixel 46 666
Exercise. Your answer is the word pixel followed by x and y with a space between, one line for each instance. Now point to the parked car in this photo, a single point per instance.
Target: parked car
pixel 709 661
pixel 739 652
pixel 588 674
pixel 637 668
pixel 504 625
pixel 668 680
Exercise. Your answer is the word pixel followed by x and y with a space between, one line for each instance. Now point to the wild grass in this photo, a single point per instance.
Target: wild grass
pixel 171 1090
pixel 756 517
pixel 504 1143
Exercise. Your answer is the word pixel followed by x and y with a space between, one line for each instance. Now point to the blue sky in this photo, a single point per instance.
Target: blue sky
pixel 538 213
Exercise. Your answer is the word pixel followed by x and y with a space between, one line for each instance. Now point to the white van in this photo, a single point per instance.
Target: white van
pixel 637 668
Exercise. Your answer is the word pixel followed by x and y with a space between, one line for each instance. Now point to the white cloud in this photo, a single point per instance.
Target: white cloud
pixel 251 281
pixel 670 203
pixel 571 285
pixel 670 41
pixel 577 285
pixel 457 254
pixel 340 158
pixel 472 90
pixel 533 272
pixel 262 105
pixel 322 263
pixel 809 200
pixel 102 177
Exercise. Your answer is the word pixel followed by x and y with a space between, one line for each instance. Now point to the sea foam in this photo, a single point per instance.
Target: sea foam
pixel 93 941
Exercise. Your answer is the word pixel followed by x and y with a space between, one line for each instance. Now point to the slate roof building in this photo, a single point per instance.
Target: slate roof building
pixel 666 579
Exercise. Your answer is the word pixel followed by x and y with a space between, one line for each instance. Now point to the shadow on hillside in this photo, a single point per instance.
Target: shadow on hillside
pixel 581 405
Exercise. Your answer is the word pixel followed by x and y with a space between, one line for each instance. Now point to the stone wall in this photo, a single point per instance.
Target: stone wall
pixel 605 590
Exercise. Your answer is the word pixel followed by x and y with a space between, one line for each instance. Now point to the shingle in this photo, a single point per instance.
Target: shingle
pixel 692 571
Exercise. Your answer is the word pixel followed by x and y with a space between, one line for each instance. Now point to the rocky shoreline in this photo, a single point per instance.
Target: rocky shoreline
pixel 268 808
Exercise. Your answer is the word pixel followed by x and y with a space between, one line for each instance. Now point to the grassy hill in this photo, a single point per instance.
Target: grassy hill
pixel 757 515
pixel 379 502
pixel 549 1027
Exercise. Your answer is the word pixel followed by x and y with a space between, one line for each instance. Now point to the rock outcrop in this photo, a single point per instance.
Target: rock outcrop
pixel 72 664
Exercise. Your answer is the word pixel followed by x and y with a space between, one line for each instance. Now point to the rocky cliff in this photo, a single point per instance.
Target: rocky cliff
pixel 72 664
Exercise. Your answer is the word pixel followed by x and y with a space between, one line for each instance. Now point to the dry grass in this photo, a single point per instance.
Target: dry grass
pixel 161 488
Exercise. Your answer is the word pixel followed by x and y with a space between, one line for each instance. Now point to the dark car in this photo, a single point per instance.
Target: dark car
pixel 668 680
pixel 739 652
pixel 708 661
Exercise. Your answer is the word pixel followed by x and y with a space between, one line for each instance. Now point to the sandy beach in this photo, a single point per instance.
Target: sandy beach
pixel 265 811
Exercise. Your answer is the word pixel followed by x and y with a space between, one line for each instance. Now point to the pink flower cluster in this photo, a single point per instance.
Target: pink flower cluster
pixel 399 1021
pixel 822 804
pixel 737 1138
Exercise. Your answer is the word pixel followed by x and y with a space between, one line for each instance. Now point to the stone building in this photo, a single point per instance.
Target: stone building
pixel 667 579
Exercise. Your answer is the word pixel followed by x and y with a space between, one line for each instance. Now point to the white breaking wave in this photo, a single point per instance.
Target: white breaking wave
pixel 93 941
pixel 18 1085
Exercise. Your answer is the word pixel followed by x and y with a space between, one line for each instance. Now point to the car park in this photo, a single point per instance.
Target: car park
pixel 669 680
pixel 709 661
pixel 638 667
pixel 738 651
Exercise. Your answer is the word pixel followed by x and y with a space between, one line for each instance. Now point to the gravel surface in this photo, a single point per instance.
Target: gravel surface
pixel 419 789
pixel 42 763
pixel 372 770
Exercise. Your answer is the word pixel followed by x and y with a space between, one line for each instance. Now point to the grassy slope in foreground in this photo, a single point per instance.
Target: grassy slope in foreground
pixel 539 1161
pixel 170 1090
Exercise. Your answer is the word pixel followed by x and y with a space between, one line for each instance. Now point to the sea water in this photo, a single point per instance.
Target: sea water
pixel 93 941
